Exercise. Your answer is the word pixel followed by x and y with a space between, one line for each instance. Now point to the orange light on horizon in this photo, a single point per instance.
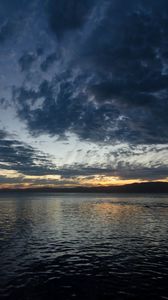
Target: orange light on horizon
pixel 83 183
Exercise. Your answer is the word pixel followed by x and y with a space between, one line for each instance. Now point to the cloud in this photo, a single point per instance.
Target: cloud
pixel 105 78
pixel 49 61
pixel 26 60
pixel 6 31
pixel 12 18
pixel 65 16
pixel 21 163
pixel 3 134
pixel 19 156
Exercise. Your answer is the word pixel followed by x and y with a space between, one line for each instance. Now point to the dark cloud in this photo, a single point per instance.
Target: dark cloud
pixel 40 51
pixel 50 59
pixel 28 161
pixel 6 31
pixel 4 103
pixel 12 18
pixel 3 134
pixel 63 112
pixel 65 15
pixel 26 60
pixel 109 75
pixel 122 170
pixel 18 156
pixel 153 173
pixel 96 69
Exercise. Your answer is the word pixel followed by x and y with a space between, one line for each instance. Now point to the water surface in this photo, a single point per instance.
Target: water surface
pixel 83 246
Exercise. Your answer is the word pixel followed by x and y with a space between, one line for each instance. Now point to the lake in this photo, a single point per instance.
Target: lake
pixel 83 246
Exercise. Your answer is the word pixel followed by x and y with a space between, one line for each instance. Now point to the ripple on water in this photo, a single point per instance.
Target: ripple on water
pixel 83 247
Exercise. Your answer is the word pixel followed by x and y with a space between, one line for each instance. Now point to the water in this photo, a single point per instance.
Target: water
pixel 83 246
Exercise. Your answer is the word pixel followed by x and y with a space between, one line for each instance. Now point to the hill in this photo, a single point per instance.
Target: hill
pixel 146 187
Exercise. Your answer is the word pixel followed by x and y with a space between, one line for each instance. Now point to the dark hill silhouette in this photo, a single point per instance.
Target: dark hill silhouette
pixel 146 187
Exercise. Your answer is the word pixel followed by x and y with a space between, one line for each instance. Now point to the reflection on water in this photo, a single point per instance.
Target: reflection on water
pixel 83 246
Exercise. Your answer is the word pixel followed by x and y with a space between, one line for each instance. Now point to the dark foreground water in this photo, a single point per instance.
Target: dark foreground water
pixel 74 246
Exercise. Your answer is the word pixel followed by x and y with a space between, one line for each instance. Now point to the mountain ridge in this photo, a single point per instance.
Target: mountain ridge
pixel 145 187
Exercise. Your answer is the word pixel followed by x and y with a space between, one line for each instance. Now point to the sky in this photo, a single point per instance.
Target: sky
pixel 83 92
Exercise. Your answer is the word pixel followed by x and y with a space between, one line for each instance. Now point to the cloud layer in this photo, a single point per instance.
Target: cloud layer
pixel 109 73
pixel 95 69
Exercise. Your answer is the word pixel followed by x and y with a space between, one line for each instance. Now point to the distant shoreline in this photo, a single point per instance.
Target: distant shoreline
pixel 146 187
